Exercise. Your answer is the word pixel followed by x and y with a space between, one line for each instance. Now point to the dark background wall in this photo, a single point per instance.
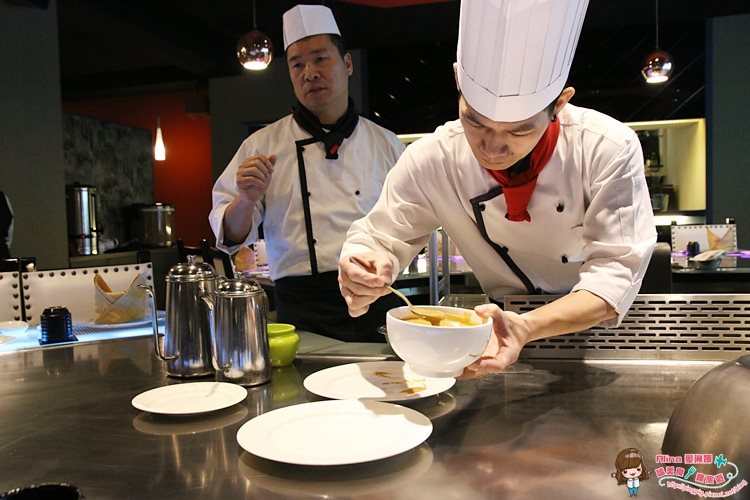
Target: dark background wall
pixel 728 105
pixel 31 166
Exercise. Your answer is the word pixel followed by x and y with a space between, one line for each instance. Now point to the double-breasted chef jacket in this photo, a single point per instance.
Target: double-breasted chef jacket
pixel 591 227
pixel 339 192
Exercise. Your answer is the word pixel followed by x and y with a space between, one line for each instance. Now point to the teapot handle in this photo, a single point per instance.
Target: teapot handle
pixel 214 355
pixel 154 324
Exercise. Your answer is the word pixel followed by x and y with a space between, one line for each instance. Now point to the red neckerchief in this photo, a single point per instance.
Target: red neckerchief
pixel 519 188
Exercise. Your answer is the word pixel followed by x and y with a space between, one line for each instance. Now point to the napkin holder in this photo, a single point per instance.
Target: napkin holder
pixel 124 306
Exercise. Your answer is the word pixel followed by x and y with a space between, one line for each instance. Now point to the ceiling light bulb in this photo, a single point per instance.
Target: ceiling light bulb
pixel 160 152
pixel 254 50
pixel 657 67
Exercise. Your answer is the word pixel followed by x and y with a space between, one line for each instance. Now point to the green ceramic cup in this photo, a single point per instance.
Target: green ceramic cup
pixel 283 343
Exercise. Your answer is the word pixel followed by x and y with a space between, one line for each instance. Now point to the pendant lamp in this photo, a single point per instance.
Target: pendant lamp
pixel 254 49
pixel 658 64
pixel 160 152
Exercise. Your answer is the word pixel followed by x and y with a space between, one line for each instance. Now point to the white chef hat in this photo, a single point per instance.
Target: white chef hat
pixel 514 56
pixel 308 20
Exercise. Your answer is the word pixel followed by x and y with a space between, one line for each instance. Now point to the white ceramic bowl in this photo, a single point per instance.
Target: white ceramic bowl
pixel 437 351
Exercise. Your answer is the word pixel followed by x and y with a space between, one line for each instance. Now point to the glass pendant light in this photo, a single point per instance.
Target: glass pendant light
pixel 658 64
pixel 254 49
pixel 160 152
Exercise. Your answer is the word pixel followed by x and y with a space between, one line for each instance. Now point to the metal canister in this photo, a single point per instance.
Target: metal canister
pixel 83 232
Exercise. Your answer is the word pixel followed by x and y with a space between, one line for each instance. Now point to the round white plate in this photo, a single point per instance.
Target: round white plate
pixel 160 315
pixel 190 398
pixel 13 327
pixel 335 432
pixel 375 380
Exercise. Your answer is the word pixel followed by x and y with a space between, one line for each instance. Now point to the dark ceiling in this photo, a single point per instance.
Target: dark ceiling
pixel 116 47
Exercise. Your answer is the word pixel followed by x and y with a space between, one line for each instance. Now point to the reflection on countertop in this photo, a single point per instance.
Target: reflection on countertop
pixel 543 426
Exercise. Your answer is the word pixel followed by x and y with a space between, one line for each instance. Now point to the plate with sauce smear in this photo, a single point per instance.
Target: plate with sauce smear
pixel 375 381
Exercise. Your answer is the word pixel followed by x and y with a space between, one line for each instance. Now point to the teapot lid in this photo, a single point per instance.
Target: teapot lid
pixel 238 287
pixel 191 271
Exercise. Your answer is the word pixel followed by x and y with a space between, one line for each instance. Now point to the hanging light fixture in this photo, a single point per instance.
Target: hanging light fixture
pixel 160 152
pixel 658 64
pixel 254 49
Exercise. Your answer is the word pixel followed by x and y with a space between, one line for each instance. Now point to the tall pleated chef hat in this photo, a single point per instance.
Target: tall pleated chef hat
pixel 514 56
pixel 308 20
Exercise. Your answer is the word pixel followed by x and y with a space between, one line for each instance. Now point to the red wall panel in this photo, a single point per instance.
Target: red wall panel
pixel 184 178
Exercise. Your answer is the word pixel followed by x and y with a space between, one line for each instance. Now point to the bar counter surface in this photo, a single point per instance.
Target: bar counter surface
pixel 543 427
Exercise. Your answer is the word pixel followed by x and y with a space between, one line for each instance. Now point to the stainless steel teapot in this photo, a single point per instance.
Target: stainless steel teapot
pixel 187 335
pixel 238 311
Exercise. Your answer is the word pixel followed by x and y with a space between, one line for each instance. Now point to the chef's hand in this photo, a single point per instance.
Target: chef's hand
pixel 510 332
pixel 363 279
pixel 254 176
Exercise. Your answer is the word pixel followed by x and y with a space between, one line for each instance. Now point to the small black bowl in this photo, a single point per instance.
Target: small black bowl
pixel 46 491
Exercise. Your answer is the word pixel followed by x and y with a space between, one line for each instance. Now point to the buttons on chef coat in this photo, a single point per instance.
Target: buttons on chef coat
pixel 356 192
pixel 564 259
pixel 560 206
pixel 481 207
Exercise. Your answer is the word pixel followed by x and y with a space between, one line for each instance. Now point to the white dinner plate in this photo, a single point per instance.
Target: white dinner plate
pixel 13 327
pixel 160 315
pixel 190 398
pixel 375 380
pixel 334 432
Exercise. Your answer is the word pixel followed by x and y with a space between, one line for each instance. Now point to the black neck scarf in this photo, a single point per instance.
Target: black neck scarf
pixel 333 138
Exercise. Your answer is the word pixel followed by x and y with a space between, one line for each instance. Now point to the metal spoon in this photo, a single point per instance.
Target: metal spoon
pixel 434 317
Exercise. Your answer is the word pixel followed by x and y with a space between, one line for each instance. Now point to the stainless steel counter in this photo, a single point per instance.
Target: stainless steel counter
pixel 544 427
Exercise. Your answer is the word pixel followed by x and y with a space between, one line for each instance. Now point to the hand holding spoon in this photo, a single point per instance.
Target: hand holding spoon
pixel 434 317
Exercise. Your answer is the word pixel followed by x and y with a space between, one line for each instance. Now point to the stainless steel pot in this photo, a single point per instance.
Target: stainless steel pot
pixel 187 333
pixel 153 224
pixel 713 419
pixel 238 310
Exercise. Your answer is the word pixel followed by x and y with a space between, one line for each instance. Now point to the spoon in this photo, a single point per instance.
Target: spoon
pixel 434 317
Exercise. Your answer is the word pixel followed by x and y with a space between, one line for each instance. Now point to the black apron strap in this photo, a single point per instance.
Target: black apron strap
pixel 502 251
pixel 6 218
pixel 306 202
pixel 315 304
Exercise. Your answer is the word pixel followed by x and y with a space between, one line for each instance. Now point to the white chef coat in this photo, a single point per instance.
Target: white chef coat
pixel 591 228
pixel 341 191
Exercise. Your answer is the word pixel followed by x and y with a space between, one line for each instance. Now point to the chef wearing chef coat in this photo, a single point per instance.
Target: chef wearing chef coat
pixel 539 195
pixel 306 177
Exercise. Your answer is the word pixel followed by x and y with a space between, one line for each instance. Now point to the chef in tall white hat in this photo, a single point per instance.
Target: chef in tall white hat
pixel 540 196
pixel 306 178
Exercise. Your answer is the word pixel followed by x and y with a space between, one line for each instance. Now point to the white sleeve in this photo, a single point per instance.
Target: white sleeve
pixel 619 228
pixel 224 191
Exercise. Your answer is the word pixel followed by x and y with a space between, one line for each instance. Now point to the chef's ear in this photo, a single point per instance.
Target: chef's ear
pixel 565 96
pixel 349 64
